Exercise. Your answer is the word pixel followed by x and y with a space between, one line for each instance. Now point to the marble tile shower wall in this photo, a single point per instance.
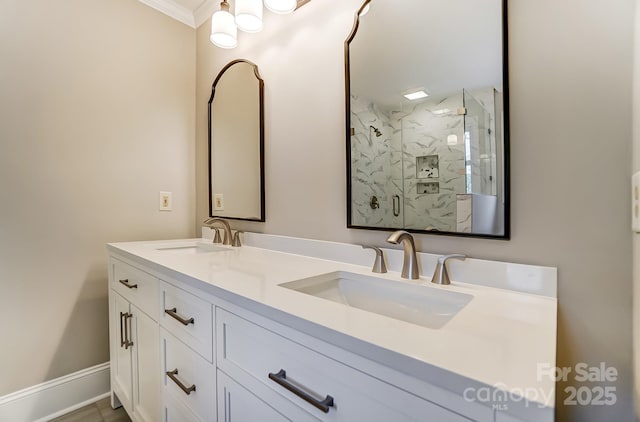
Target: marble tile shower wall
pixel 428 129
pixel 387 165
pixel 375 166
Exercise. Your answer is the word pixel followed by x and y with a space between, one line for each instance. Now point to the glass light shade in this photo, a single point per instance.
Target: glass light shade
pixel 249 15
pixel 281 6
pixel 224 32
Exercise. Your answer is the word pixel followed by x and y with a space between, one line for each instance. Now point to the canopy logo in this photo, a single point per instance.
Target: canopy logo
pixel 594 390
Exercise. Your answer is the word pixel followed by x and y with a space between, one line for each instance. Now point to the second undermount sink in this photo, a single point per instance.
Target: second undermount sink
pixel 427 306
pixel 192 248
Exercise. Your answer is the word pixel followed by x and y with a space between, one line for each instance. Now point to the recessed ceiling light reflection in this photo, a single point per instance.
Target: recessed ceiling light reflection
pixel 416 95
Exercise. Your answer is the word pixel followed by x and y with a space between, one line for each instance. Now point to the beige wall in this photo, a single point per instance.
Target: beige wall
pixel 96 117
pixel 571 71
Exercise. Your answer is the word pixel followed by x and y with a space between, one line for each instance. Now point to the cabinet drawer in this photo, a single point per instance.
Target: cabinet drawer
pixel 175 411
pixel 136 286
pixel 239 404
pixel 245 350
pixel 189 318
pixel 192 381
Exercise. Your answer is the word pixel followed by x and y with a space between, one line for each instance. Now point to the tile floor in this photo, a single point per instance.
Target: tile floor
pixel 99 411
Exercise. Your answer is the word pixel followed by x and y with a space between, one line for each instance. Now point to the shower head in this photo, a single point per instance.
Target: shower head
pixel 375 129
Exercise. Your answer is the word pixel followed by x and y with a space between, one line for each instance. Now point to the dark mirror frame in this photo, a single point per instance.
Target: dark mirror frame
pixel 506 135
pixel 210 119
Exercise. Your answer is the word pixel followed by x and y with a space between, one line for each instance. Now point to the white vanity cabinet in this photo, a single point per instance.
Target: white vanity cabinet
pixel 197 340
pixel 134 341
pixel 206 359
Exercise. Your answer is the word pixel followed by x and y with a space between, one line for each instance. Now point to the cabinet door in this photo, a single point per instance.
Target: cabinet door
pixel 146 348
pixel 121 359
pixel 237 404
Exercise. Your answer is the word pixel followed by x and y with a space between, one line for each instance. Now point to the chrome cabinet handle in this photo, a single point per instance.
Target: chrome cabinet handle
pixel 127 342
pixel 281 379
pixel 187 390
pixel 126 283
pixel 172 313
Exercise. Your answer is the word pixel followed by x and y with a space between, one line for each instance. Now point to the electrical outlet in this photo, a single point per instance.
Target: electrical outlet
pixel 218 202
pixel 165 201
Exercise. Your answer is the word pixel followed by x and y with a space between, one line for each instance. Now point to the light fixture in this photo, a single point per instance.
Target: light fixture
pixel 224 32
pixel 249 15
pixel 415 95
pixel 281 6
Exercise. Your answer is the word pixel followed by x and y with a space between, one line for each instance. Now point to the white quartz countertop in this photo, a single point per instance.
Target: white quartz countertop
pixel 498 339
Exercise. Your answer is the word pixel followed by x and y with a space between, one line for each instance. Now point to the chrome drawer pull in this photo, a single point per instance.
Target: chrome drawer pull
pixel 281 379
pixel 187 390
pixel 172 313
pixel 126 283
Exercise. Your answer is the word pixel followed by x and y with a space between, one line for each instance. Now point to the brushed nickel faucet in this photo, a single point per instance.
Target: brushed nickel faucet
pixel 236 239
pixel 216 237
pixel 378 265
pixel 225 224
pixel 410 263
pixel 441 274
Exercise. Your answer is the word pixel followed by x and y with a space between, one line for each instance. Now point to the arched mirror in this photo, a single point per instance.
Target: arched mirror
pixel 236 143
pixel 428 117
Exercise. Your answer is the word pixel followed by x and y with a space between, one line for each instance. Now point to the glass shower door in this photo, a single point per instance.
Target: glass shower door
pixel 479 148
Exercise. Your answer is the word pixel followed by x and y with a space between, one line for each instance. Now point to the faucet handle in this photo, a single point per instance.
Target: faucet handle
pixel 236 239
pixel 216 236
pixel 441 273
pixel 378 265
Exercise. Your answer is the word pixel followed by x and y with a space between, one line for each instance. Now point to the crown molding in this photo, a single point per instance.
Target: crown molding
pixel 204 12
pixel 173 10
pixel 192 18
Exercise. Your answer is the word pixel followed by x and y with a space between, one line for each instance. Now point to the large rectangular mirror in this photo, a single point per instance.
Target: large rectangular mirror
pixel 236 143
pixel 428 117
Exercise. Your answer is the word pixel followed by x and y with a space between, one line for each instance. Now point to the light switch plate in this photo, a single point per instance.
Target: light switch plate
pixel 635 202
pixel 165 201
pixel 218 202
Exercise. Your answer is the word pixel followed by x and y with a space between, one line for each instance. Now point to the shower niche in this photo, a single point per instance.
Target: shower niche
pixel 437 164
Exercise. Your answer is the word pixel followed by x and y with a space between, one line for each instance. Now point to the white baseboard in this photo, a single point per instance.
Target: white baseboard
pixel 54 398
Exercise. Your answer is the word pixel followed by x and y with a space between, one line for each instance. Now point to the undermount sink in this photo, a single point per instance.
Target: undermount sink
pixel 193 248
pixel 427 306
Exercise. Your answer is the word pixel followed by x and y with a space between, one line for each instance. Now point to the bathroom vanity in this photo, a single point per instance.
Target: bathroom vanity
pixel 202 332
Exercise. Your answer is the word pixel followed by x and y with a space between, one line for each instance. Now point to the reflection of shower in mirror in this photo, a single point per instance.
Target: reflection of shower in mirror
pixel 441 162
